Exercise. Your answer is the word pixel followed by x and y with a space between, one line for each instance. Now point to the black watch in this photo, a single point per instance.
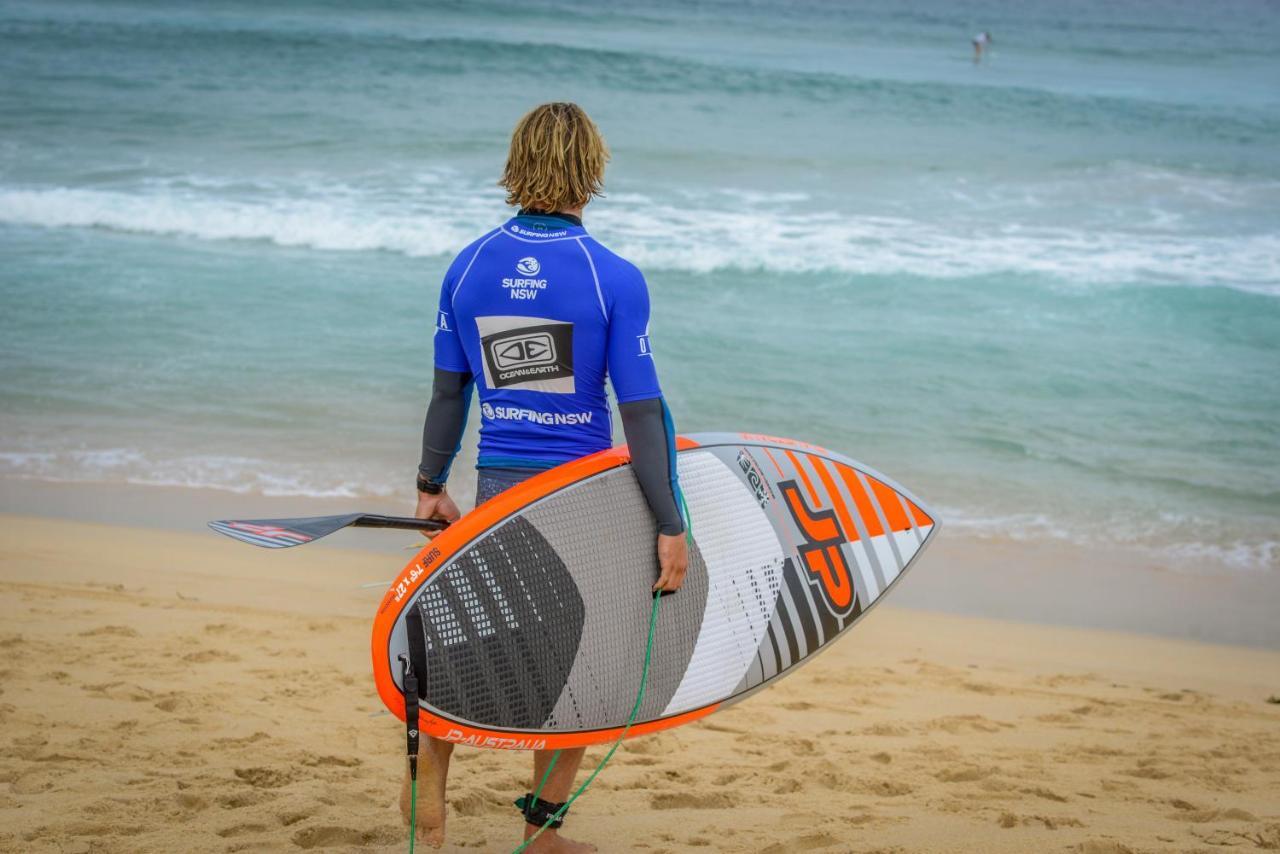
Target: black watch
pixel 429 486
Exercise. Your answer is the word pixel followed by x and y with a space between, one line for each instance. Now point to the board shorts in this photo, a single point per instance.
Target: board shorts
pixel 491 481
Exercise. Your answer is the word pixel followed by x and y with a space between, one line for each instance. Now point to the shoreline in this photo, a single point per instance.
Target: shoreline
pixel 1041 582
pixel 166 690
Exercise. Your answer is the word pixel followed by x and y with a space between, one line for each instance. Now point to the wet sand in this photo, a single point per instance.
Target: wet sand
pixel 165 691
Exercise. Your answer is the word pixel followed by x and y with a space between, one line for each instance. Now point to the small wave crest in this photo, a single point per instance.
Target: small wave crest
pixel 1158 540
pixel 242 475
pixel 312 223
pixel 1163 539
pixel 698 238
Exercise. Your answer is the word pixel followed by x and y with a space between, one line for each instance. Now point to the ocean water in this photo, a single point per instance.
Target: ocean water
pixel 1043 291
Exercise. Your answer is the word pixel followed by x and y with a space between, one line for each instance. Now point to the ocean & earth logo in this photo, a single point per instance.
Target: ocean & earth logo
pixel 524 351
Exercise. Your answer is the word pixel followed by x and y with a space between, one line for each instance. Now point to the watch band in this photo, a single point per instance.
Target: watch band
pixel 429 486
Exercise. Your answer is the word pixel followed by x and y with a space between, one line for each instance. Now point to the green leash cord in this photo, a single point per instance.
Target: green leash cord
pixel 631 719
pixel 413 812
pixel 635 710
pixel 411 731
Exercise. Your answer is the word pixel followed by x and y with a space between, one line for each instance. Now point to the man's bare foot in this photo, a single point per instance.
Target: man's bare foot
pixel 433 772
pixel 551 842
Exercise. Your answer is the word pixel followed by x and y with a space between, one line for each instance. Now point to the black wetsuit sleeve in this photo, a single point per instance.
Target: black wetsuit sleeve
pixel 652 441
pixel 446 419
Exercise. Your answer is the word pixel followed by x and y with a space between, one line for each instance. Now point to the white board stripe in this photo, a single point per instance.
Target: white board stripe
pixel 744 563
pixel 864 569
pixel 896 564
pixel 911 517
pixel 908 544
pixel 888 560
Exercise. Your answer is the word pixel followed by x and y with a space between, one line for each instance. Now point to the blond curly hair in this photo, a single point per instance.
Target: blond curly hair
pixel 556 161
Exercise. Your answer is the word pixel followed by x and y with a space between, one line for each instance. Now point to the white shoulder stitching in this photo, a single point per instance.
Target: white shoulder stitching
pixel 463 277
pixel 596 276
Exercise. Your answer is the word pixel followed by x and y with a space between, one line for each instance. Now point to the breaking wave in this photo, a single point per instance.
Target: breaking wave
pixel 697 237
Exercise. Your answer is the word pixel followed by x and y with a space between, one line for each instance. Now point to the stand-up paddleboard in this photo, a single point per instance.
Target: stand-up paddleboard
pixel 526 621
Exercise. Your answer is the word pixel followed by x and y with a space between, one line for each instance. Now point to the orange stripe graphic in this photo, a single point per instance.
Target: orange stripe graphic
pixel 808 484
pixel 892 507
pixel 865 510
pixel 922 518
pixel 476 736
pixel 777 467
pixel 842 509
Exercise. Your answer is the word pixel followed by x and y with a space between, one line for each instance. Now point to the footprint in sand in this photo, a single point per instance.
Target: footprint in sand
pixel 1047 794
pixel 1102 846
pixel 172 703
pixel 331 836
pixel 1203 816
pixel 204 656
pixel 956 724
pixel 1050 822
pixel 241 830
pixel 808 842
pixel 964 774
pixel 887 788
pixel 478 803
pixel 266 778
pixel 116 631
pixel 314 761
pixel 292 817
pixel 693 801
pixel 241 741
pixel 241 800
pixel 1267 838
pixel 189 802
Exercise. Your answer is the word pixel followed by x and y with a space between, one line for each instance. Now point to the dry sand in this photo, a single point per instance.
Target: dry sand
pixel 165 691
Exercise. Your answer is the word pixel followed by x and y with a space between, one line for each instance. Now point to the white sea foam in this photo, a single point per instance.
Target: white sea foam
pixel 740 231
pixel 316 223
pixel 1158 541
pixel 279 478
pixel 242 475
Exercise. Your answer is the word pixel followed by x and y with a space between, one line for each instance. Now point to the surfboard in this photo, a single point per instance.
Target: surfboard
pixel 527 619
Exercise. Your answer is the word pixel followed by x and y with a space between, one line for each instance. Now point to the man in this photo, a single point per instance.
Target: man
pixel 980 43
pixel 535 314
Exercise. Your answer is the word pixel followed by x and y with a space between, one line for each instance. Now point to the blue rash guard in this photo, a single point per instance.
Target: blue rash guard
pixel 538 314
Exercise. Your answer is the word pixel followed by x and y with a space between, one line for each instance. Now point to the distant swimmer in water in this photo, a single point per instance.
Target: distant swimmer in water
pixel 980 43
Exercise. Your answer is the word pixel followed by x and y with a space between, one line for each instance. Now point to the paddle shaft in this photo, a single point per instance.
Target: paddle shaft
pixel 403 522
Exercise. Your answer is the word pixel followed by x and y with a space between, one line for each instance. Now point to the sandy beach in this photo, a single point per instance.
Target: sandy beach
pixel 170 691
pixel 1037 286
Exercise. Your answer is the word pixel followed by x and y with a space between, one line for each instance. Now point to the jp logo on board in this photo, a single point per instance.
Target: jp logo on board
pixel 823 558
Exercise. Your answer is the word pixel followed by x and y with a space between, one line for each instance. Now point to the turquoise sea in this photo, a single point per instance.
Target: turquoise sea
pixel 1043 291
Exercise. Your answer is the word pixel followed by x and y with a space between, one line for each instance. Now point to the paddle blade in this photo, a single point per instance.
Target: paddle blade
pixel 283 533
